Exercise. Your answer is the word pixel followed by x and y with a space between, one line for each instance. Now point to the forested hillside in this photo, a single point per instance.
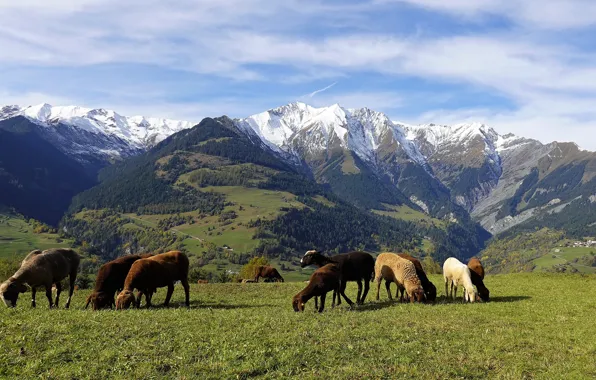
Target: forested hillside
pixel 212 192
pixel 37 179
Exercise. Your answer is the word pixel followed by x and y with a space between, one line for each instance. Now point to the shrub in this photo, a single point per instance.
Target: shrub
pixel 250 270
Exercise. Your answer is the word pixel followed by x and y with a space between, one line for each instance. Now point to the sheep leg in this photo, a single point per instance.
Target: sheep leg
pixel 169 294
pixel 358 301
pixel 33 291
pixel 451 293
pixel 58 291
pixel 342 291
pixel 455 292
pixel 73 278
pixel 139 297
pixel 317 302
pixel 323 302
pixel 446 289
pixel 186 292
pixel 366 288
pixel 49 295
pixel 378 281
pixel 388 287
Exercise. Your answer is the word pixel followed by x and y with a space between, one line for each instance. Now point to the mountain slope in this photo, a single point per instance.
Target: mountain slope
pixel 36 179
pixel 95 136
pixel 447 172
pixel 211 191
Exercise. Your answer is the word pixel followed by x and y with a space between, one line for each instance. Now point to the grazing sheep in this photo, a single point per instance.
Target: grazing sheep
pixel 354 266
pixel 322 281
pixel 202 281
pixel 268 273
pixel 430 290
pixel 151 273
pixel 42 269
pixel 248 280
pixel 455 273
pixel 110 279
pixel 477 276
pixel 392 268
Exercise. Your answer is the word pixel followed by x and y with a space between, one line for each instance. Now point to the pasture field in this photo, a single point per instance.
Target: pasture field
pixel 536 326
pixel 566 255
pixel 17 237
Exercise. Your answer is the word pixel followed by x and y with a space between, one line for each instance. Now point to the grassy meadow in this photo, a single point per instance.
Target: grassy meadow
pixel 537 326
pixel 17 237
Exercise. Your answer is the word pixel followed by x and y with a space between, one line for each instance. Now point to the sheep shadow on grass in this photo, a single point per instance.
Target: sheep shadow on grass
pixel 203 305
pixel 444 300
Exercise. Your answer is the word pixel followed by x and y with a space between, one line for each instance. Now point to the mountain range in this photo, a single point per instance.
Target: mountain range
pixel 449 172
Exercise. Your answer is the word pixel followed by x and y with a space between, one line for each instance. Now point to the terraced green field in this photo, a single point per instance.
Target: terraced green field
pixel 536 326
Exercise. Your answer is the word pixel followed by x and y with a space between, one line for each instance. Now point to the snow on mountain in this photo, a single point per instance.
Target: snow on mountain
pixel 137 131
pixel 298 125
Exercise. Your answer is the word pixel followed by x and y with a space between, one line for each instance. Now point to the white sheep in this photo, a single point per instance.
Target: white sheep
pixel 455 273
pixel 392 268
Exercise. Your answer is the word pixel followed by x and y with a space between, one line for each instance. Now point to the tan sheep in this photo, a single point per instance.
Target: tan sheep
pixel 392 268
pixel 42 269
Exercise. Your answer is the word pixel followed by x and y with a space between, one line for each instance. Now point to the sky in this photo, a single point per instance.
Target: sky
pixel 521 66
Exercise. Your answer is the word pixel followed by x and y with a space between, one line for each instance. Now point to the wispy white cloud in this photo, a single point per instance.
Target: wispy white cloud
pixel 320 90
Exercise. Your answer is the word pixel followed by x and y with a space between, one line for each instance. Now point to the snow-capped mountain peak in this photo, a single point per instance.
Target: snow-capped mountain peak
pixel 138 131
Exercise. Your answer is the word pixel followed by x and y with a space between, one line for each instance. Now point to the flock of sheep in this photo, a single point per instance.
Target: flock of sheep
pixel 402 269
pixel 146 273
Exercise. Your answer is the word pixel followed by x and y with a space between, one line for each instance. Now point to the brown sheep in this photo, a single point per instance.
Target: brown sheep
pixel 247 280
pixel 430 290
pixel 110 279
pixel 268 273
pixel 202 281
pixel 477 276
pixel 42 269
pixel 151 273
pixel 393 268
pixel 322 281
pixel 355 266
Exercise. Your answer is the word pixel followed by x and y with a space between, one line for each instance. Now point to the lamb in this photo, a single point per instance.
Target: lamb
pixel 430 290
pixel 151 273
pixel 42 268
pixel 322 281
pixel 202 282
pixel 110 279
pixel 268 273
pixel 477 275
pixel 455 273
pixel 392 268
pixel 354 266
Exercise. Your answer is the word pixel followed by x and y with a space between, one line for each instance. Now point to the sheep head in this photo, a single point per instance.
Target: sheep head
pixel 418 295
pixel 297 303
pixel 309 258
pixel 125 299
pixel 483 295
pixel 9 291
pixel 431 294
pixel 99 300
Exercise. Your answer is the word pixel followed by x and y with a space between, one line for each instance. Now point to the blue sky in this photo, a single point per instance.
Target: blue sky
pixel 522 66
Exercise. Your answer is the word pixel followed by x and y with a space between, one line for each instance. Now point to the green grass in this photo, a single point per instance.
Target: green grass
pixel 565 255
pixel 17 237
pixel 537 326
pixel 248 203
pixel 407 213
